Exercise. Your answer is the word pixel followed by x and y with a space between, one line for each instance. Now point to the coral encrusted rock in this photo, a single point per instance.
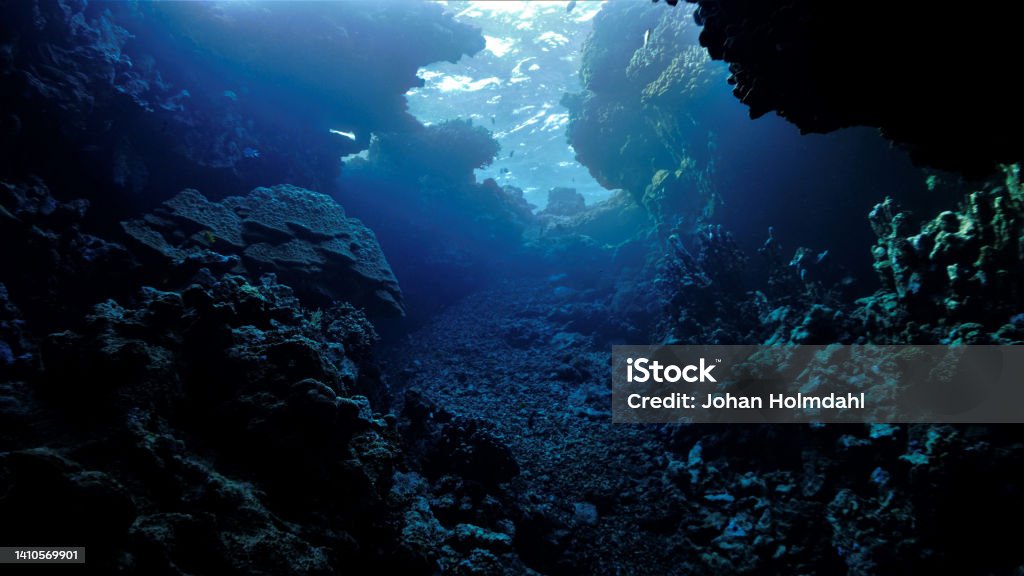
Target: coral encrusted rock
pixel 303 237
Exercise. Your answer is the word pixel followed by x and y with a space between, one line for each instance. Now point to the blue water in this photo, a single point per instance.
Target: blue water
pixel 331 287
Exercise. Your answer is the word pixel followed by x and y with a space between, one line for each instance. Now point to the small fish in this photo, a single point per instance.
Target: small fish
pixel 512 153
pixel 492 120
pixel 821 257
pixel 251 153
pixel 647 36
pixel 570 6
pixel 350 135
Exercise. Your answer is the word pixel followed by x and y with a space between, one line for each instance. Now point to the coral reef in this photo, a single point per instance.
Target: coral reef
pixel 612 222
pixel 212 396
pixel 125 96
pixel 654 121
pixel 159 424
pixel 179 454
pixel 825 66
pixel 953 279
pixel 641 77
pixel 175 412
pixel 713 292
pixel 71 269
pixel 303 237
pixel 958 279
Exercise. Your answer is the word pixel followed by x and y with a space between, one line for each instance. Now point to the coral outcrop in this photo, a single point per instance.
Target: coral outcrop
pixel 713 292
pixel 642 75
pixel 956 277
pixel 564 202
pixel 303 237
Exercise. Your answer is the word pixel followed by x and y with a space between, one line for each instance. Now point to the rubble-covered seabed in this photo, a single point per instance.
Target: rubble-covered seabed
pixel 201 369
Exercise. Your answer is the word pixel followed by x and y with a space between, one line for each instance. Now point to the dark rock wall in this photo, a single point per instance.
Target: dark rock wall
pixel 927 75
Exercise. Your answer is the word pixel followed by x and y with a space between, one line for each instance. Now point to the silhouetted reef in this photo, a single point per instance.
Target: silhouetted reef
pixel 926 75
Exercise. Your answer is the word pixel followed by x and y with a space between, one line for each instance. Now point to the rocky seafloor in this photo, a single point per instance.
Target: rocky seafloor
pixel 202 372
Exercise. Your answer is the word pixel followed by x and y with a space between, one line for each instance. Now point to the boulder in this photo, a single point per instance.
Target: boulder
pixel 303 237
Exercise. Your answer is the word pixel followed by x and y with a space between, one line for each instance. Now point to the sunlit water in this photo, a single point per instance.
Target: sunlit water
pixel 513 88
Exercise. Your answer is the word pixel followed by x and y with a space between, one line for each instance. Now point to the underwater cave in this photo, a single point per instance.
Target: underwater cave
pixel 360 287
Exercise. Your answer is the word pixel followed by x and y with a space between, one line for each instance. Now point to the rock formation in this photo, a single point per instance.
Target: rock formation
pixel 303 237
